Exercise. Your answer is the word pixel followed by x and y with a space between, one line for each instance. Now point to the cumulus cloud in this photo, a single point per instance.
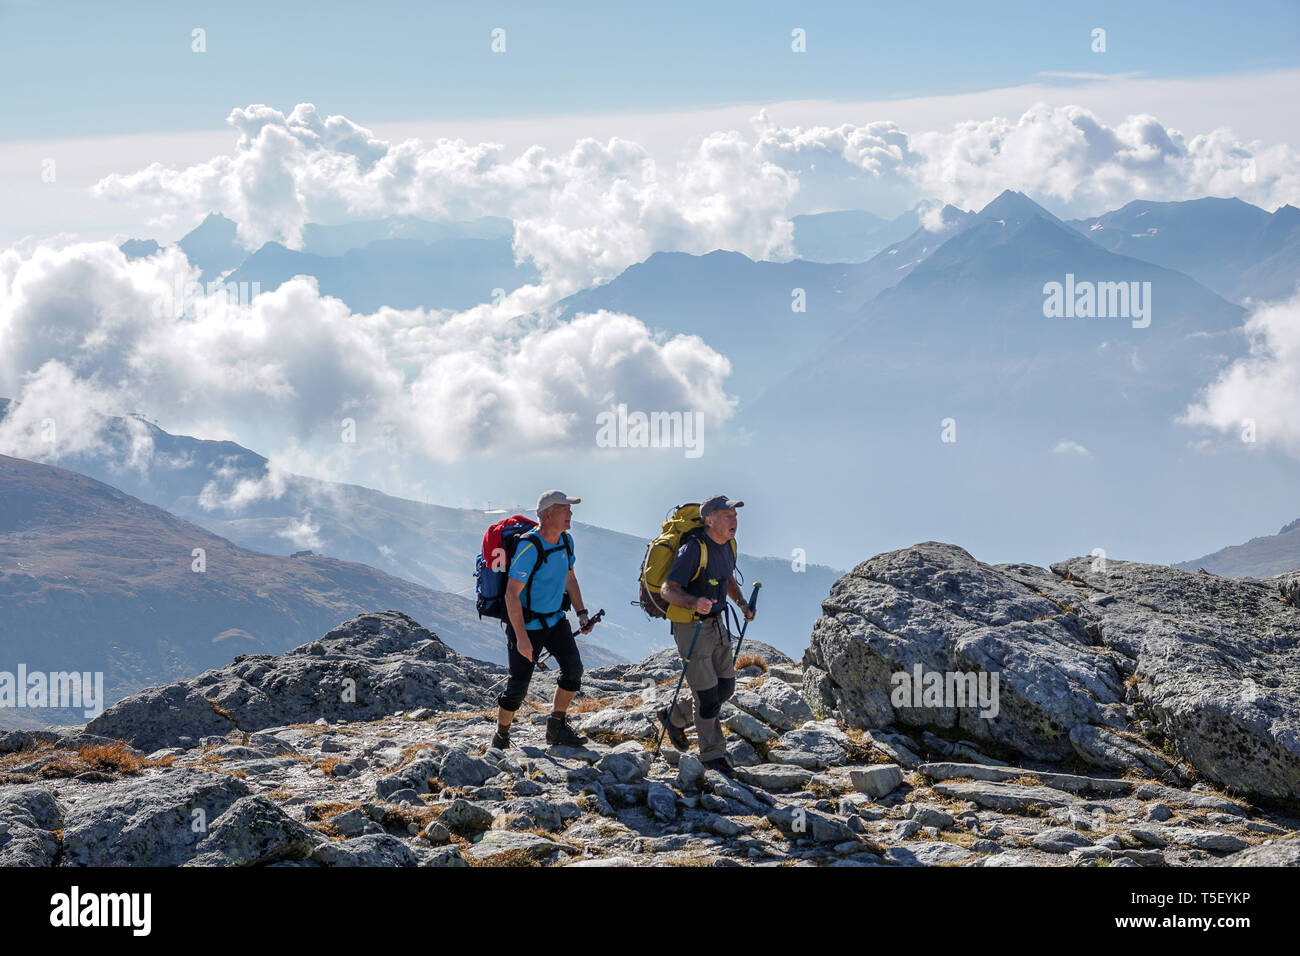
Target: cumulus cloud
pixel 580 216
pixel 1067 447
pixel 1064 156
pixel 1256 397
pixel 83 337
pixel 1069 158
pixel 583 215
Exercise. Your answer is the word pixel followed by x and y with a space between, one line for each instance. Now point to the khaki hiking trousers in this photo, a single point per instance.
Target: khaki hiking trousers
pixel 712 677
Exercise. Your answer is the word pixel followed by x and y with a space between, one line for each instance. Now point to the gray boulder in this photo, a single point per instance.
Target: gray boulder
pixel 770 776
pixel 413 777
pixel 662 802
pixel 878 780
pixel 823 740
pixel 776 702
pixel 459 769
pixel 255 832
pixel 801 823
pixel 1060 840
pixel 629 762
pixel 373 665
pixel 611 723
pixel 154 821
pixel 465 818
pixel 1102 747
pixel 749 727
pixel 690 772
pixel 378 849
pixel 1008 797
pixel 928 854
pixel 495 843
pixel 28 818
pixel 1217 674
pixel 1268 854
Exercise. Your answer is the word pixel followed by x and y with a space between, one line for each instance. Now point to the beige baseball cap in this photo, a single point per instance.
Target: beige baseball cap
pixel 549 498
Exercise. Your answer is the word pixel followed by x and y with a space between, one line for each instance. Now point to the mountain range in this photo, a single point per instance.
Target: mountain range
pixel 920 391
pixel 401 261
pixel 92 579
pixel 1236 249
pixel 424 543
pixel 1260 557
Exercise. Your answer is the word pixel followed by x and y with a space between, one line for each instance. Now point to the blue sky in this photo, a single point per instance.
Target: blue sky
pixel 90 68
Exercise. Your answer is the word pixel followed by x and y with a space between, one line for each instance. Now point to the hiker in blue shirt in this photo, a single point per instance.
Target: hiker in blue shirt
pixel 536 620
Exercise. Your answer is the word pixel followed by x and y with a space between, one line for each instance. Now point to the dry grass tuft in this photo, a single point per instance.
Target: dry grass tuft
pixel 1026 780
pixel 327 810
pixel 751 660
pixel 312 728
pixel 403 816
pixel 824 790
pixel 508 858
pixel 104 758
pixel 118 757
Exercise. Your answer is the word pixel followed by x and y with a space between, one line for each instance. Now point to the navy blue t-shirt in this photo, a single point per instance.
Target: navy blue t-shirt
pixel 713 580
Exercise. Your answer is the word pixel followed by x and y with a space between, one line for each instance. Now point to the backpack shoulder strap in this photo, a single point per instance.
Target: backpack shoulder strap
pixel 704 558
pixel 533 538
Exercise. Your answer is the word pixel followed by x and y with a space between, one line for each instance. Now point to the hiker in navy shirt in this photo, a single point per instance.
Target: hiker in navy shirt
pixel 710 670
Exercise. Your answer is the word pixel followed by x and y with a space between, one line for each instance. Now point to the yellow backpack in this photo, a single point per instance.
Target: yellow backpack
pixel 684 522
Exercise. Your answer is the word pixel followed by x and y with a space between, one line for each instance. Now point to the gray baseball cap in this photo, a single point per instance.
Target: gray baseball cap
pixel 549 498
pixel 718 503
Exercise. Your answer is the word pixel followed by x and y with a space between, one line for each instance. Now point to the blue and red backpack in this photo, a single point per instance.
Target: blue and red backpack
pixel 492 565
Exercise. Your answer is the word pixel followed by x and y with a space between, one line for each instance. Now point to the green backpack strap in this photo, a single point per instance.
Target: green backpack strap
pixel 704 558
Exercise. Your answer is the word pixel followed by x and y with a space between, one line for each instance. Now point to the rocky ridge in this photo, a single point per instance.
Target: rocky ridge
pixel 403 774
pixel 1113 665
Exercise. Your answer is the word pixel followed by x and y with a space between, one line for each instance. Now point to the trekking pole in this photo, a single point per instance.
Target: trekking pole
pixel 753 606
pixel 685 664
pixel 594 619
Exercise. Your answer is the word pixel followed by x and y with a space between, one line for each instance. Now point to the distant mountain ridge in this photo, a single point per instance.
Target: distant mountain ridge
pixel 431 545
pixel 1228 245
pixel 849 235
pixel 92 579
pixel 400 261
pixel 1259 557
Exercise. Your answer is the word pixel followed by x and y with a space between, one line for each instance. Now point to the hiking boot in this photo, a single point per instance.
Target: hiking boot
pixel 675 734
pixel 559 732
pixel 501 739
pixel 721 765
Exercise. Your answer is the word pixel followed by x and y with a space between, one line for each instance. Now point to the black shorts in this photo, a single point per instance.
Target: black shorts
pixel 559 640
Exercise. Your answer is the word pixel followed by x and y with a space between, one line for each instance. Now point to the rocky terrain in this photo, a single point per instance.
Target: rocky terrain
pixel 1147 717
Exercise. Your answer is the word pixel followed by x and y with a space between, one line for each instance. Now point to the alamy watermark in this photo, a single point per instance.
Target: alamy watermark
pixel 186 296
pixel 1098 300
pixel 67 690
pixel 922 688
pixel 619 428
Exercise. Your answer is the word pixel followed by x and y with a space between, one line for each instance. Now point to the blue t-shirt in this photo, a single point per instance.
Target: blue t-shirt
pixel 549 582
